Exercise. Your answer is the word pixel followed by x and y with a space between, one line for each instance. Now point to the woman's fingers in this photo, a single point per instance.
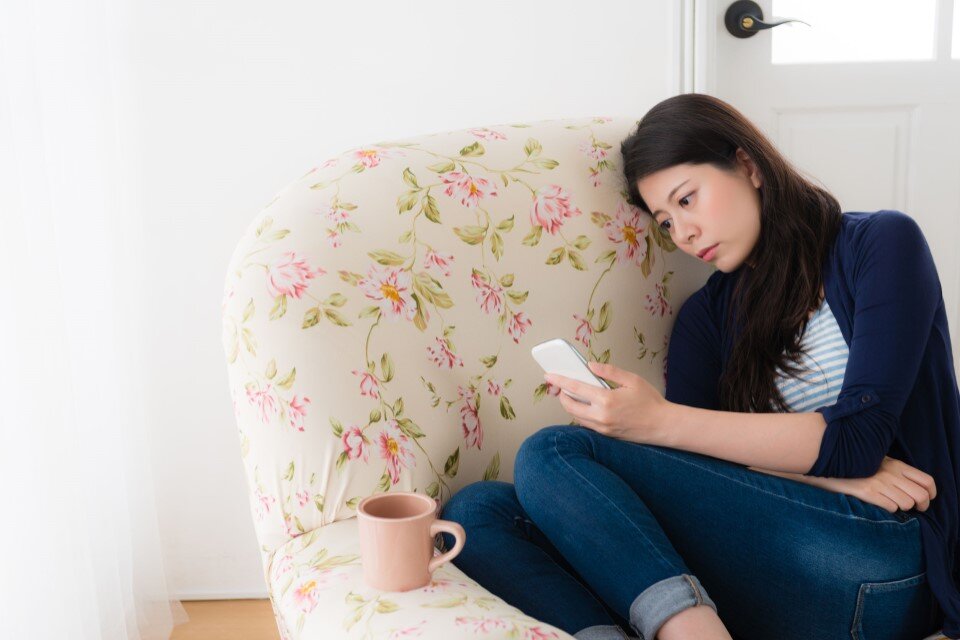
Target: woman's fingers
pixel 585 390
pixel 923 479
pixel 896 497
pixel 916 483
pixel 918 494
pixel 575 408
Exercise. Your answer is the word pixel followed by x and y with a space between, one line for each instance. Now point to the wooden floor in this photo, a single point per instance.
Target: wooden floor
pixel 246 620
pixel 227 620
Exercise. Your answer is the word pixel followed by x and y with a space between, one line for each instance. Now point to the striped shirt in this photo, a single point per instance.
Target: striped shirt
pixel 824 360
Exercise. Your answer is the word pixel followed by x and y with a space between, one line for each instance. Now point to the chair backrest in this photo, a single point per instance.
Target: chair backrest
pixel 378 313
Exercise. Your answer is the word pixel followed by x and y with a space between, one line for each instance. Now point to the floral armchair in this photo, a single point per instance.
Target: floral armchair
pixel 378 316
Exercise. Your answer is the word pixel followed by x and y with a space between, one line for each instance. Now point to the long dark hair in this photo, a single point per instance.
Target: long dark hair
pixel 798 223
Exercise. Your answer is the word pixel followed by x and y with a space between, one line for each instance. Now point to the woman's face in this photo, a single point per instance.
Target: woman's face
pixel 701 206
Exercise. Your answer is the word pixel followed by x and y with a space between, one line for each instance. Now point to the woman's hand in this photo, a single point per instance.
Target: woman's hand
pixel 630 412
pixel 896 485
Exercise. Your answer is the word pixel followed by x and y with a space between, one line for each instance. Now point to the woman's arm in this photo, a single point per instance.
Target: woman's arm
pixel 691 419
pixel 897 485
pixel 788 441
pixel 816 481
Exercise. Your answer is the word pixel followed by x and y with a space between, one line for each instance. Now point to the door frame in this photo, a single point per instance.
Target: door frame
pixel 694 57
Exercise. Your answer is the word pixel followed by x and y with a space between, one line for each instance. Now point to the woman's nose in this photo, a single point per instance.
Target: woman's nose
pixel 688 233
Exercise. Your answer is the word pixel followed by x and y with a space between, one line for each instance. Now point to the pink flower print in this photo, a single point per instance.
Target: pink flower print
pixel 593 151
pixel 625 230
pixel 442 356
pixel 489 297
pixel 370 157
pixel 226 297
pixel 335 214
pixel 536 633
pixel 334 238
pixel 551 205
pixel 441 584
pixel 306 594
pixel 470 424
pixel 264 502
pixel 584 330
pixel 296 412
pixel 468 188
pixel 487 134
pixel 481 624
pixel 552 389
pixel 391 288
pixel 519 323
pixel 368 384
pixel 658 305
pixel 303 497
pixel 281 566
pixel 435 260
pixel 594 176
pixel 354 443
pixel 407 632
pixel 288 275
pixel 494 388
pixel 265 402
pixel 330 163
pixel 396 449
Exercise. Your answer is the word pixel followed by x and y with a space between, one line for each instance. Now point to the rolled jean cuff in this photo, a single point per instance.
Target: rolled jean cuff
pixel 662 600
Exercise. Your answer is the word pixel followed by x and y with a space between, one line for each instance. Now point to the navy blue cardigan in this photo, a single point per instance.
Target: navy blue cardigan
pixel 899 395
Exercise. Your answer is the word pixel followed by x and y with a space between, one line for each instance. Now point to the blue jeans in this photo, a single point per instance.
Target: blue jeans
pixel 602 537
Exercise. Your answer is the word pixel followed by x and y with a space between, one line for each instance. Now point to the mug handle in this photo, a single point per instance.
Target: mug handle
pixel 454 529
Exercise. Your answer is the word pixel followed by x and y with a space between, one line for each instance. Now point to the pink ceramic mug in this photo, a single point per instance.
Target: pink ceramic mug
pixel 396 540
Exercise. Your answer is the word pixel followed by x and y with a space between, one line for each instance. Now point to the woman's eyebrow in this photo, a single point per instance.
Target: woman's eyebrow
pixel 670 197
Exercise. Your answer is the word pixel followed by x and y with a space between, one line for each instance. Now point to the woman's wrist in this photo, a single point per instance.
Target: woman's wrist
pixel 817 481
pixel 664 425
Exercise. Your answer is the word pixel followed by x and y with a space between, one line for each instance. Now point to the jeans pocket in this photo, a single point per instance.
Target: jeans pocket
pixel 894 609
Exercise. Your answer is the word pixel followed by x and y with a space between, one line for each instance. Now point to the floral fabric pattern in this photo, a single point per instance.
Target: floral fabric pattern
pixel 378 316
pixel 316 583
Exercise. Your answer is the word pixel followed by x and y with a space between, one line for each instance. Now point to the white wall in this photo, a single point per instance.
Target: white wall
pixel 239 98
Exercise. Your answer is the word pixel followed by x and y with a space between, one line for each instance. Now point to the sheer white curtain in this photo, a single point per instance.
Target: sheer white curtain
pixel 80 555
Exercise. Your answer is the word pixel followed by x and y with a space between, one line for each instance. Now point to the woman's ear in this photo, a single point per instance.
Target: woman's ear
pixel 750 167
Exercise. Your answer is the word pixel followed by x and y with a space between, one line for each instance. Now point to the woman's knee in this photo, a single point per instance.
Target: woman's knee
pixel 480 501
pixel 532 451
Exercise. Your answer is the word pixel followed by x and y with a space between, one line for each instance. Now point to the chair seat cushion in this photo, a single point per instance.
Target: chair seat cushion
pixel 317 589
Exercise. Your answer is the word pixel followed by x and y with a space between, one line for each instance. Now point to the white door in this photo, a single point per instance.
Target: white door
pixel 865 100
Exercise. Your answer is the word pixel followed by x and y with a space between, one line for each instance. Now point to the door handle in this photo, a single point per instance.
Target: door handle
pixel 744 18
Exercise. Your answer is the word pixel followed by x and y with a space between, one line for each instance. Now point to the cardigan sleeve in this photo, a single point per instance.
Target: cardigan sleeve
pixel 693 355
pixel 897 292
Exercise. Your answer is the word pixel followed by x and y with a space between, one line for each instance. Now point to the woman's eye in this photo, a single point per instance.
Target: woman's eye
pixel 681 201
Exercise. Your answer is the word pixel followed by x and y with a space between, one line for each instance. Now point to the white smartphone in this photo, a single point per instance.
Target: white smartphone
pixel 560 357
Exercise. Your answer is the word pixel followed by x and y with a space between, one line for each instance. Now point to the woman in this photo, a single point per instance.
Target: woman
pixel 799 478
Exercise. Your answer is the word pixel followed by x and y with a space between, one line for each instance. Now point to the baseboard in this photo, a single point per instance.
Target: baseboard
pixel 222 595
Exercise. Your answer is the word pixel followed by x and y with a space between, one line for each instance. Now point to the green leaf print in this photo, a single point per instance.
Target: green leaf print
pixel 452 465
pixel 493 469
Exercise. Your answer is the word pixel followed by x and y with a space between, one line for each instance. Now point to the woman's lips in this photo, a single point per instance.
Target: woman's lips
pixel 711 252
